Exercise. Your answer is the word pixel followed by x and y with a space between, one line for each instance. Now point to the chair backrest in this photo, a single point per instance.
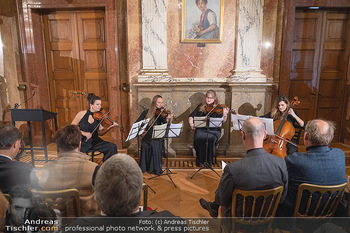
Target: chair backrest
pixel 145 196
pixel 255 207
pixel 66 201
pixel 318 200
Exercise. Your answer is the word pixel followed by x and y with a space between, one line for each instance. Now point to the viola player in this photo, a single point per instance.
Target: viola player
pixel 279 110
pixel 151 149
pixel 207 108
pixel 91 129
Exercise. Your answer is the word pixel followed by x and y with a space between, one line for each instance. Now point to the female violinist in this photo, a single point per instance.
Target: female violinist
pixel 151 149
pixel 279 110
pixel 207 108
pixel 87 123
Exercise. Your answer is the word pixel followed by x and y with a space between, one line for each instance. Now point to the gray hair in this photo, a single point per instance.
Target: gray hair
pixel 9 134
pixel 320 132
pixel 118 186
pixel 253 128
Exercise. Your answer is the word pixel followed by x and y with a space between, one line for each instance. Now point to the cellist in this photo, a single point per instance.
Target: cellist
pixel 279 110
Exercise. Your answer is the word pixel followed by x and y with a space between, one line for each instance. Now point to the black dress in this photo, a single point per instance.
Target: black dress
pixel 95 143
pixel 290 147
pixel 151 149
pixel 202 135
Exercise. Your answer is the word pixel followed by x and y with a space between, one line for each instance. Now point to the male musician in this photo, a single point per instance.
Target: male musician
pixel 13 173
pixel 257 170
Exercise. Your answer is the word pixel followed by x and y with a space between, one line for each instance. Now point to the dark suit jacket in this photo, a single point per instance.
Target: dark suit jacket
pixel 14 173
pixel 320 165
pixel 258 170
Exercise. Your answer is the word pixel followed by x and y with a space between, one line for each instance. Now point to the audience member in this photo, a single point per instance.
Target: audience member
pixel 118 189
pixel 257 170
pixel 319 165
pixel 12 172
pixel 72 169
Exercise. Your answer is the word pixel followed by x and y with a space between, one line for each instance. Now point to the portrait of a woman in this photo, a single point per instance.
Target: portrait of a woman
pixel 208 26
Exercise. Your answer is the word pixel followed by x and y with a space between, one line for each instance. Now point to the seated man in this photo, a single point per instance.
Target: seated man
pixel 72 170
pixel 118 189
pixel 257 170
pixel 12 172
pixel 319 165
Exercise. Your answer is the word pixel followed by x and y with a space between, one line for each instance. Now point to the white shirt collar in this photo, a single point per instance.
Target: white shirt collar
pixel 6 156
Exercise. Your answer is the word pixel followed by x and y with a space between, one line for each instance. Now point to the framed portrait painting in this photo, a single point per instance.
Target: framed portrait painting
pixel 202 21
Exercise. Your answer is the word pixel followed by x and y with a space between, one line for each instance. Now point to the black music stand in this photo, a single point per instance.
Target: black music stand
pixel 34 115
pixel 136 130
pixel 201 122
pixel 170 131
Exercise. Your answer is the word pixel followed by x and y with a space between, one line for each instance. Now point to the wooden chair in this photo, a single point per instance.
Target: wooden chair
pixel 315 204
pixel 67 201
pixel 318 200
pixel 255 207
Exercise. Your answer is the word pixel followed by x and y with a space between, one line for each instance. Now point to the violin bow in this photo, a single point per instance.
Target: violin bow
pixel 148 127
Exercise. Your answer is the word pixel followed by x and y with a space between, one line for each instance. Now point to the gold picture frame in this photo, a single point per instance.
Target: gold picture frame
pixel 202 21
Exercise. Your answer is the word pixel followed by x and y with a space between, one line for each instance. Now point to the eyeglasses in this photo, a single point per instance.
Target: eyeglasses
pixel 209 97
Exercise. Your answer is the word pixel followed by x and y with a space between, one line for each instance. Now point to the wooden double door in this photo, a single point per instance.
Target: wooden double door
pixel 319 64
pixel 76 60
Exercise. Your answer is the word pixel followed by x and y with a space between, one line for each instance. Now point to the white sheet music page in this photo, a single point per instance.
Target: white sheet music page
pixel 175 130
pixel 135 128
pixel 199 122
pixel 159 131
pixel 215 122
pixel 223 165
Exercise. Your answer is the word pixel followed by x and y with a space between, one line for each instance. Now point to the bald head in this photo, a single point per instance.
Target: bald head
pixel 253 133
pixel 319 132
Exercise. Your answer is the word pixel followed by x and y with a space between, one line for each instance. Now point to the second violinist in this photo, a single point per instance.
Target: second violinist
pixel 151 149
pixel 210 109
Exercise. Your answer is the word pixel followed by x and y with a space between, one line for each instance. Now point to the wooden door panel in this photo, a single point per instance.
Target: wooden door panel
pixel 333 68
pixel 304 62
pixel 93 54
pixel 76 53
pixel 60 40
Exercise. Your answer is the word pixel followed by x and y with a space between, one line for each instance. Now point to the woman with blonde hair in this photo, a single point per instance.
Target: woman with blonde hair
pixel 204 135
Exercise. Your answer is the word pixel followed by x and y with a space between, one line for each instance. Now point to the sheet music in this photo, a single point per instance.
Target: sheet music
pixel 175 130
pixel 135 129
pixel 238 120
pixel 223 165
pixel 215 122
pixel 199 122
pixel 159 131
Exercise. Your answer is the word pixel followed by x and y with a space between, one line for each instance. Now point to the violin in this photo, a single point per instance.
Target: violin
pixel 277 144
pixel 102 115
pixel 163 112
pixel 218 108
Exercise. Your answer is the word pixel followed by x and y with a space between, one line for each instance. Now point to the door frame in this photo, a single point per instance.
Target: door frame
pixel 33 49
pixel 287 40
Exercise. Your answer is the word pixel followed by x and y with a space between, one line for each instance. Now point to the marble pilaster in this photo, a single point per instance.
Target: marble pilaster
pixel 154 41
pixel 249 42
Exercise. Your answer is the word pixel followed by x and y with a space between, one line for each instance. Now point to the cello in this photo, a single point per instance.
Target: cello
pixel 284 131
